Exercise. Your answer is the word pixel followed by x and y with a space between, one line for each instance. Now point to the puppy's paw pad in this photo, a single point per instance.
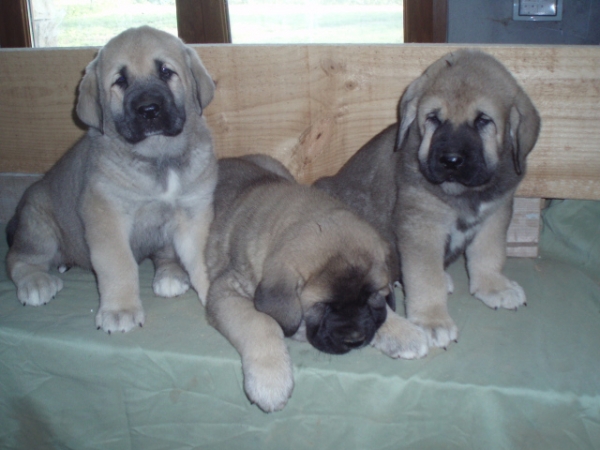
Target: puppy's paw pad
pixel 124 320
pixel 399 338
pixel 38 288
pixel 511 297
pixel 269 384
pixel 170 287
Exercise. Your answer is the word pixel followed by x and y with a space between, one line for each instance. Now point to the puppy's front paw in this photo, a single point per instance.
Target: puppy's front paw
pixel 170 282
pixel 440 330
pixel 38 288
pixel 502 293
pixel 399 338
pixel 268 381
pixel 120 320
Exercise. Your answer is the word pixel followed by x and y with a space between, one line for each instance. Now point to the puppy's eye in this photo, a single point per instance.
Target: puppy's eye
pixel 482 121
pixel 434 120
pixel 165 73
pixel 121 82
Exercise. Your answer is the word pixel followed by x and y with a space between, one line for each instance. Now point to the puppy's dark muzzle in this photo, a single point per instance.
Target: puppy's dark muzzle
pixel 456 155
pixel 355 339
pixel 340 329
pixel 150 110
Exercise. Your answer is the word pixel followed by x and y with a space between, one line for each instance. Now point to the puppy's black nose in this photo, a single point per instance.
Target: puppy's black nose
pixel 149 111
pixel 451 161
pixel 354 339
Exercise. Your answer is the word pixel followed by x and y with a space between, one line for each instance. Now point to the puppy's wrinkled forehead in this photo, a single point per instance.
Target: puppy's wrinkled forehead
pixel 466 84
pixel 138 51
pixel 351 278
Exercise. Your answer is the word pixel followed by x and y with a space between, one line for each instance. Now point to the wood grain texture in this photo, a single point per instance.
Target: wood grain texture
pixel 313 106
pixel 524 231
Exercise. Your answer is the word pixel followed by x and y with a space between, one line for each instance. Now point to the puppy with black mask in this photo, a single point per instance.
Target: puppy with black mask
pixel 287 260
pixel 440 183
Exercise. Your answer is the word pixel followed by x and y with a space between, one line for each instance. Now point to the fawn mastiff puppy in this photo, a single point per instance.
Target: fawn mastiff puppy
pixel 289 260
pixel 440 183
pixel 139 184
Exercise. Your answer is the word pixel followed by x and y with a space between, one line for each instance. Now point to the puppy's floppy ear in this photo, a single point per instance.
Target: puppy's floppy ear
pixel 204 86
pixel 407 109
pixel 409 103
pixel 277 296
pixel 524 126
pixel 89 103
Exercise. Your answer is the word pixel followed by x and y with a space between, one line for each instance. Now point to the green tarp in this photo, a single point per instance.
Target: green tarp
pixel 515 380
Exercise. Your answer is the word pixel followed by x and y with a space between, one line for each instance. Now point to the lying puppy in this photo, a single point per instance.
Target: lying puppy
pixel 139 184
pixel 441 182
pixel 288 260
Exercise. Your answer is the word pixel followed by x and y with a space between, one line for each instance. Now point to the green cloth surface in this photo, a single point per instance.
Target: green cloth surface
pixel 515 380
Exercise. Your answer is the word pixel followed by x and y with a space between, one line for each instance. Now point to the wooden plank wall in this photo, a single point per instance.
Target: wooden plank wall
pixel 313 106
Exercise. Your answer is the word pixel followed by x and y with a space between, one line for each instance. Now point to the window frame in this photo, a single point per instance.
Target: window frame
pixel 15 26
pixel 425 21
pixel 207 21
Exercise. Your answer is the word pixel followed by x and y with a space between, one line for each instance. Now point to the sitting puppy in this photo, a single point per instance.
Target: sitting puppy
pixel 441 182
pixel 288 260
pixel 139 184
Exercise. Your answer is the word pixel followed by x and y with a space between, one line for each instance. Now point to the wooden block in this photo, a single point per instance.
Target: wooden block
pixel 524 231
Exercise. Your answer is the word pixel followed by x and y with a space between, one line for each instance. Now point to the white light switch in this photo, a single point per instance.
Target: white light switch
pixel 537 10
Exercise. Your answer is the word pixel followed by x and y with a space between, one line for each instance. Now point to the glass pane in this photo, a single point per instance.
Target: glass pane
pixel 316 21
pixel 75 23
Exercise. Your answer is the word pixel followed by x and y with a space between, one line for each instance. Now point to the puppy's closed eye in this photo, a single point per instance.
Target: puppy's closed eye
pixel 482 120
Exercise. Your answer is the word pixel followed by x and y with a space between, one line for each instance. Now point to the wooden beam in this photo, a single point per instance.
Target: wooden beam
pixel 440 21
pixel 15 31
pixel 313 106
pixel 425 21
pixel 203 22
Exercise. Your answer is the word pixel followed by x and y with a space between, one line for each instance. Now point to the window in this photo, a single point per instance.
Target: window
pixel 316 21
pixel 77 23
pixel 25 23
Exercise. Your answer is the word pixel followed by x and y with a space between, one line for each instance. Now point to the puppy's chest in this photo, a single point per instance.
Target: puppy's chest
pixel 464 229
pixel 163 197
pixel 169 187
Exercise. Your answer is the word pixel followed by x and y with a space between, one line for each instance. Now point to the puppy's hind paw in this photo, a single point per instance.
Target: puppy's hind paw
pixel 170 281
pixel 120 320
pixel 170 287
pixel 38 288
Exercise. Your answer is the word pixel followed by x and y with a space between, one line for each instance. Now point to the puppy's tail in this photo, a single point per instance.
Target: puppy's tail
pixel 11 229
